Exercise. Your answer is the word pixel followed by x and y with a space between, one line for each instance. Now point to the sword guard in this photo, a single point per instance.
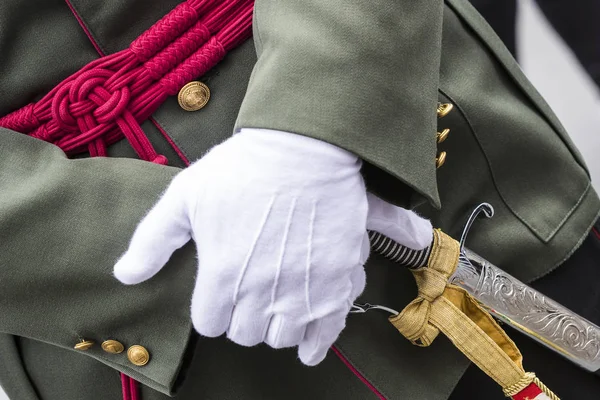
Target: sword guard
pixel 486 209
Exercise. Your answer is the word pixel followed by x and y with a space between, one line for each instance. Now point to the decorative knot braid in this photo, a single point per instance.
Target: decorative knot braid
pixel 110 97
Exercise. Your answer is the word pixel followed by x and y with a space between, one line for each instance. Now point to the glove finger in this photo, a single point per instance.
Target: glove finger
pixel 403 226
pixel 248 325
pixel 284 332
pixel 261 280
pixel 162 231
pixel 320 336
pixel 358 278
pixel 365 250
pixel 212 300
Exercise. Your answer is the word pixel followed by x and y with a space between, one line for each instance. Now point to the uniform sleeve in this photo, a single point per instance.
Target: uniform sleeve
pixel 63 224
pixel 362 75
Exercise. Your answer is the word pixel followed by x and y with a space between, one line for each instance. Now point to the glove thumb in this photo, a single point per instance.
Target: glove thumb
pixel 401 225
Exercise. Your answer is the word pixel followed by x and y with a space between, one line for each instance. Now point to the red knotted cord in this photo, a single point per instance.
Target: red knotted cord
pixel 110 97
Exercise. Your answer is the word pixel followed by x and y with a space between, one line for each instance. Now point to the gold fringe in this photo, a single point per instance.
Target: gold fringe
pixel 545 389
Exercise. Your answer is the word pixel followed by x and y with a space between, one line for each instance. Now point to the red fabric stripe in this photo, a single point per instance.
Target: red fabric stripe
pixel 133 389
pixel 85 29
pixel 125 387
pixel 129 387
pixel 357 373
pixel 530 392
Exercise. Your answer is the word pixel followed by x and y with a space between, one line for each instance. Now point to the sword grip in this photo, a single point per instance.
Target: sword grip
pixel 398 253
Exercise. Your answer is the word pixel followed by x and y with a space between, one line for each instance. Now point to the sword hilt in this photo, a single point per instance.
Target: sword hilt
pixel 509 300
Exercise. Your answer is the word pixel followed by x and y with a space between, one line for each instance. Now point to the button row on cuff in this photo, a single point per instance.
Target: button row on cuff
pixel 136 354
pixel 112 346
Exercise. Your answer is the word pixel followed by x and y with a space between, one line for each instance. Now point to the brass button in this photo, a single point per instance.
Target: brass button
pixel 440 160
pixel 84 345
pixel 112 346
pixel 138 355
pixel 443 135
pixel 193 96
pixel 444 108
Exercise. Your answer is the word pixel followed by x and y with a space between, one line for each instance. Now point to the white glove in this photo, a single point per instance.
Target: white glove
pixel 279 221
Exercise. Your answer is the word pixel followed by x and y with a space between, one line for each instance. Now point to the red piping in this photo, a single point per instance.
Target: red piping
pixel 85 29
pixel 357 373
pixel 125 387
pixel 129 387
pixel 168 138
pixel 596 232
pixel 133 389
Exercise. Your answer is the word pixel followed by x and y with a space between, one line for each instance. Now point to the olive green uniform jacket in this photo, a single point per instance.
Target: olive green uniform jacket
pixel 365 75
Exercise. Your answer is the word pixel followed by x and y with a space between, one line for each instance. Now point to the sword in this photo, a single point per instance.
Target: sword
pixel 506 298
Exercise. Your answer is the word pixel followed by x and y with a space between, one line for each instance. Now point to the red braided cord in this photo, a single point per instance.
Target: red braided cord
pixel 108 98
pixel 142 106
pixel 164 31
pixel 121 62
pixel 22 120
pixel 178 51
pixel 202 60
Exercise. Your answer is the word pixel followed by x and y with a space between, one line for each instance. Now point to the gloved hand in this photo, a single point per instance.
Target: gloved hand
pixel 279 221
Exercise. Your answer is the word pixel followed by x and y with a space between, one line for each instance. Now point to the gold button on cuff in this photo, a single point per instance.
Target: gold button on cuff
pixel 193 96
pixel 138 355
pixel 444 108
pixel 112 346
pixel 443 135
pixel 440 160
pixel 84 345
